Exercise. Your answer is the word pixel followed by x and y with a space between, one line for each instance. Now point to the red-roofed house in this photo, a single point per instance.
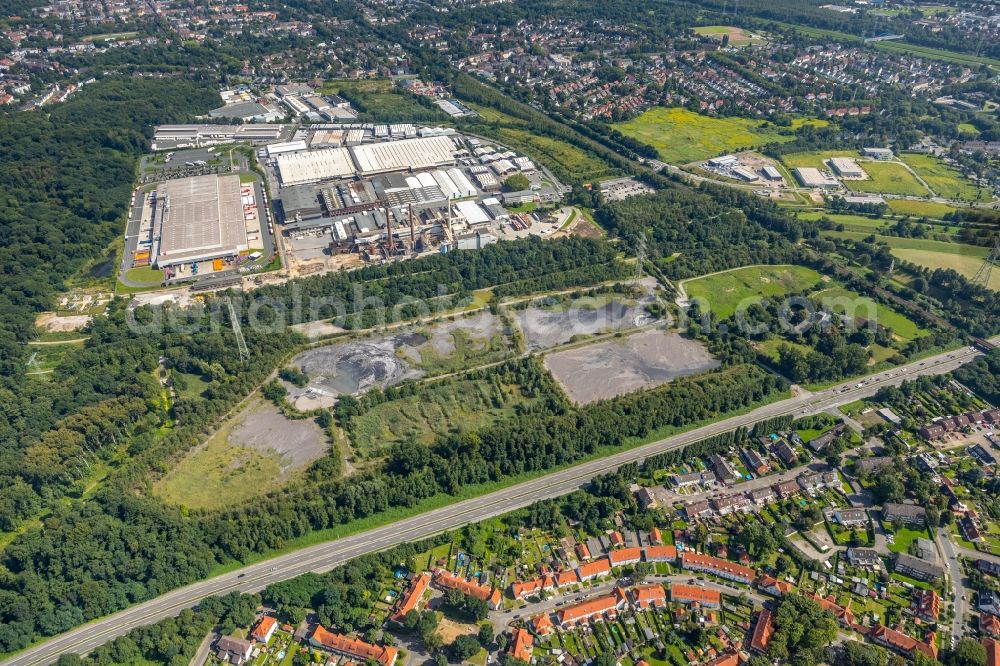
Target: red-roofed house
pixel 542 624
pixel 844 615
pixel 906 645
pixel 566 578
pixel 655 537
pixel 718 566
pixel 265 629
pixel 762 631
pixel 593 569
pixel 625 556
pixel 773 586
pixel 582 552
pixel 353 648
pixel 616 539
pixel 413 597
pixel 692 594
pixel 608 604
pixel 927 605
pixel 448 580
pixel 521 644
pixel 661 553
pixel 989 625
pixel 649 596
pixel 528 587
pixel 992 651
pixel 725 659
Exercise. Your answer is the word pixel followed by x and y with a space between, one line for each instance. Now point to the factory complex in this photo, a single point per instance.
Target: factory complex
pixel 390 191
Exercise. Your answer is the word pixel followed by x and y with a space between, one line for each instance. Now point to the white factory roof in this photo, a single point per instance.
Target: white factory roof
pixel 309 167
pixel 203 219
pixel 286 147
pixel 462 182
pixel 472 212
pixel 406 154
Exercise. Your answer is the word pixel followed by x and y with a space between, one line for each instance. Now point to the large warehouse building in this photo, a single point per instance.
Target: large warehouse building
pixel 365 160
pixel 198 219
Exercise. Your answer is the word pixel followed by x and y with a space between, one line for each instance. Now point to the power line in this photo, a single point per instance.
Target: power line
pixel 241 344
pixel 986 270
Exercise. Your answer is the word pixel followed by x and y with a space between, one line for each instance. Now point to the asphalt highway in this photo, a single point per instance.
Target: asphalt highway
pixel 326 556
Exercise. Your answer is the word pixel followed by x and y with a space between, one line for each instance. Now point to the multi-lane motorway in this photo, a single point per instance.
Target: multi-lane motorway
pixel 326 556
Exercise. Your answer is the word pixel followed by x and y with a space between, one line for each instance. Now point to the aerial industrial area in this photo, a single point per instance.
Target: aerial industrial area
pixel 521 333
pixel 372 192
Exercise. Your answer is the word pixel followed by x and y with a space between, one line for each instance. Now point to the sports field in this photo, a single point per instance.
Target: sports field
pixel 944 180
pixel 737 36
pixel 843 300
pixel 725 292
pixel 887 178
pixel 681 136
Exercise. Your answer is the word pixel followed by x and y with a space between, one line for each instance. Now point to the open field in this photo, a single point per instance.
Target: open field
pixel 725 291
pixel 841 300
pixel 816 158
pixel 574 161
pixel 145 274
pixel 546 326
pixel 737 36
pixel 929 209
pixel 944 180
pixel 254 452
pixel 378 99
pixel 643 360
pixel 681 136
pixel 358 365
pixel 850 222
pixel 965 259
pixel 887 178
pixel 462 406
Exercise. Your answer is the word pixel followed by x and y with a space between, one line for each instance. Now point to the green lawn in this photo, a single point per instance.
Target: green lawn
pixel 965 259
pixel 770 347
pixel 145 274
pixel 378 100
pixel 944 180
pixel 850 222
pixel 841 300
pixel 929 209
pixel 815 158
pixel 887 178
pixel 725 291
pixel 681 136
pixel 904 537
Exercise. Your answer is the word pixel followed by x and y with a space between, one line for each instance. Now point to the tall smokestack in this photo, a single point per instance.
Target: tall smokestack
pixel 413 231
pixel 391 245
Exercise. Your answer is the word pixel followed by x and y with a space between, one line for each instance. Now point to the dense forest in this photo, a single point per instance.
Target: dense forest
pixel 688 233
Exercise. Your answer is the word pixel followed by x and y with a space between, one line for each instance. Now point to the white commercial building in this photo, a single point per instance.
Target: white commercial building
pixel 421 153
pixel 810 177
pixel 846 167
pixel 314 165
pixel 199 219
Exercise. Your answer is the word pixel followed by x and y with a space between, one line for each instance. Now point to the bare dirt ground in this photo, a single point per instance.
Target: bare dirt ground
pixel 298 441
pixel 545 328
pixel 317 329
pixel 51 323
pixel 643 360
pixel 449 630
pixel 351 367
pixel 440 337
